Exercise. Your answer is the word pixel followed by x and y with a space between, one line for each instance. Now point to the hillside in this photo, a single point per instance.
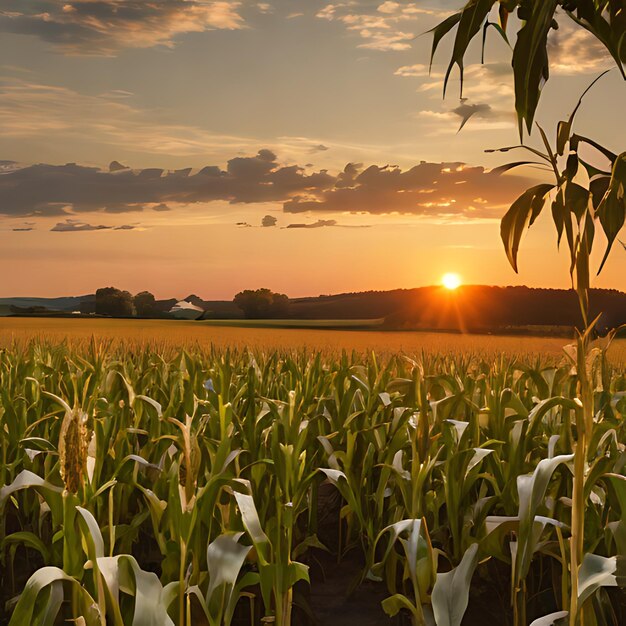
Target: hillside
pixel 469 308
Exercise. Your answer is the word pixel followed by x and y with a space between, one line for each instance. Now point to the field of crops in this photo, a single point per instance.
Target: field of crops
pixel 206 486
pixel 171 335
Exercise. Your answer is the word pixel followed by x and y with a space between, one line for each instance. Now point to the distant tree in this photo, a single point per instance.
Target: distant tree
pixel 262 303
pixel 145 304
pixel 195 300
pixel 114 302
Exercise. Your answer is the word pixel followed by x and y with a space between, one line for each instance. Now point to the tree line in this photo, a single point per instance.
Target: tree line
pixel 253 303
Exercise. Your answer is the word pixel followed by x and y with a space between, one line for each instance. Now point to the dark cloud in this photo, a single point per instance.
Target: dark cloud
pixel 318 224
pixel 53 189
pixel 268 221
pixel 8 166
pixel 72 226
pixel 434 189
pixel 319 148
pixel 75 226
pixel 103 27
pixel 465 111
pixel 116 166
pixel 430 189
pixel 24 227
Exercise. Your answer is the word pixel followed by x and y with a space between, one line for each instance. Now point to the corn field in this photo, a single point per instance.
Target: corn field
pixel 146 487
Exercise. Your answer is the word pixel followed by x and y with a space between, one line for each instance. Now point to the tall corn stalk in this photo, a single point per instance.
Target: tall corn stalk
pixel 582 194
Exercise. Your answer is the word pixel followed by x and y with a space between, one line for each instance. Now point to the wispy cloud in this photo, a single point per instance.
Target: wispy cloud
pixel 104 27
pixel 487 97
pixel 76 226
pixel 318 224
pixel 573 50
pixel 30 109
pixel 388 26
pixel 33 110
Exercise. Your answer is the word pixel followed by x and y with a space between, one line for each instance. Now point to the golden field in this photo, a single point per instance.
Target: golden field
pixel 175 333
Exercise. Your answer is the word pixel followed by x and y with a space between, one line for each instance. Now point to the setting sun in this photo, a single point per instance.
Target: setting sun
pixel 451 281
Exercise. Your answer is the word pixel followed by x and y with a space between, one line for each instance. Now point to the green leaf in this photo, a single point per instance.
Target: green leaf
pixel 591 16
pixel 441 30
pixel 521 215
pixel 450 595
pixel 94 531
pixel 531 489
pixel 559 214
pixel 394 604
pixel 28 539
pixel 472 18
pixel 530 61
pixel 122 572
pixel 225 558
pixel 612 209
pixel 25 613
pixel 509 166
pixel 25 480
pixel 595 572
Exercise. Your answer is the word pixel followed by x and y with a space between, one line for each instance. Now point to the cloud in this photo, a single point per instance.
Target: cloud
pixel 104 27
pixel 268 221
pixel 23 229
pixel 46 113
pixel 465 111
pixel 56 189
pixel 573 50
pixel 429 189
pixel 73 226
pixel 482 115
pixel 32 110
pixel 7 166
pixel 384 28
pixel 419 70
pixel 318 224
pixel 116 166
pixel 76 226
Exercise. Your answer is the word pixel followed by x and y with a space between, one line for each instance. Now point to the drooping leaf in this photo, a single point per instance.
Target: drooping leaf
pixel 530 60
pixel 521 215
pixel 612 209
pixel 472 17
pixel 450 595
pixel 122 572
pixel 441 30
pixel 225 557
pixel 25 610
pixel 595 572
pixel 554 619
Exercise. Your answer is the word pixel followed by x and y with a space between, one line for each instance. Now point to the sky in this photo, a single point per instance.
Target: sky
pixel 188 146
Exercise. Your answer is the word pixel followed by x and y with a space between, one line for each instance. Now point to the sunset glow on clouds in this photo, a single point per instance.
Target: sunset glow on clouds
pixel 311 134
pixel 105 27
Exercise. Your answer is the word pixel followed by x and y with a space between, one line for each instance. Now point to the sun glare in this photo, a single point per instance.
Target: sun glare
pixel 451 281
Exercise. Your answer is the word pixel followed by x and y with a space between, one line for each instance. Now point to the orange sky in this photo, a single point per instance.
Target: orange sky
pixel 207 148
